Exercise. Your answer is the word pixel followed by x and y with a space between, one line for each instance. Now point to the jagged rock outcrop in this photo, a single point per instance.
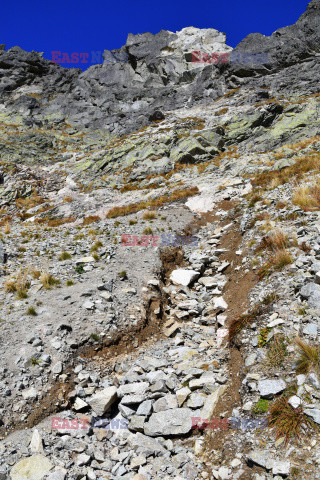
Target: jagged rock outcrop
pixel 154 73
pixel 286 46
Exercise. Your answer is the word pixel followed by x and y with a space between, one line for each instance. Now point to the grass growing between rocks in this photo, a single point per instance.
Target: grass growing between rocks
pixel 6 229
pixel 287 421
pixel 31 311
pixel 149 216
pixel 277 351
pixel 48 280
pixel 64 256
pixel 123 275
pixel 275 178
pixel 55 222
pixel 276 262
pixel 277 240
pixel 307 197
pixel 308 357
pixel 95 247
pixel 154 203
pixel 18 284
pixel 90 219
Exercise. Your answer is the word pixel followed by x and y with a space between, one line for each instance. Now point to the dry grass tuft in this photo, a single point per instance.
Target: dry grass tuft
pixel 277 240
pixel 32 311
pixel 5 220
pixel 95 247
pixel 303 165
pixel 277 262
pixel 309 357
pixel 6 229
pixel 55 222
pixel 91 219
pixel 35 273
pixel 149 216
pixel 281 259
pixel 48 280
pixel 155 203
pixel 277 351
pixel 288 422
pixel 64 256
pixel 307 197
pixel 29 202
pixel 18 284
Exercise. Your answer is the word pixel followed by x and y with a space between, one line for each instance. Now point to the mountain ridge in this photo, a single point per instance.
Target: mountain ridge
pixel 158 75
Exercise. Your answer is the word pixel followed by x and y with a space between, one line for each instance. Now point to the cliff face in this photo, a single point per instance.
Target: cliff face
pixel 154 72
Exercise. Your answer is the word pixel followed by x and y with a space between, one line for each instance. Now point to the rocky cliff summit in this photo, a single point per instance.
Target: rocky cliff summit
pixel 155 72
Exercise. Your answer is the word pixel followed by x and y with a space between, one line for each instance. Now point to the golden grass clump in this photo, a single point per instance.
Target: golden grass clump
pixel 149 215
pixel 18 284
pixel 154 203
pixel 276 262
pixel 273 178
pixel 6 229
pixel 90 219
pixel 48 280
pixel 277 351
pixel 307 197
pixel 309 357
pixel 55 222
pixel 29 202
pixel 276 240
pixel 64 256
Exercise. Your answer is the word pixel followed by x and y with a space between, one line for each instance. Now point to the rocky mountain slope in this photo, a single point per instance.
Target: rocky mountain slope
pixel 160 260
pixel 154 71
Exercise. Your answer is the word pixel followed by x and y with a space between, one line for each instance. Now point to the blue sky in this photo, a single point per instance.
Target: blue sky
pixel 83 27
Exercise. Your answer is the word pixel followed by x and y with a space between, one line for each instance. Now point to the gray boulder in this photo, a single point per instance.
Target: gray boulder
pixel 311 293
pixel 269 388
pixel 176 421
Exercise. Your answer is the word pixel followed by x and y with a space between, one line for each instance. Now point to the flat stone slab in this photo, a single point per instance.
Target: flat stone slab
pixel 176 421
pixel 269 388
pixel 220 303
pixel 145 445
pixel 314 413
pixel 211 402
pixel 311 292
pixel 261 458
pixel 183 276
pixel 138 388
pixel 102 401
pixel 31 468
pixel 200 204
pixel 209 282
